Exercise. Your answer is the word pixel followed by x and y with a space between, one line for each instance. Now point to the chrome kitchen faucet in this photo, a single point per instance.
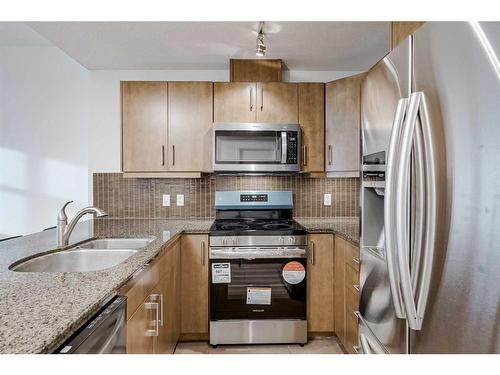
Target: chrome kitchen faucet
pixel 64 229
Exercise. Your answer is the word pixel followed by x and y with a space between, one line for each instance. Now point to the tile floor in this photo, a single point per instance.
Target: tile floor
pixel 317 345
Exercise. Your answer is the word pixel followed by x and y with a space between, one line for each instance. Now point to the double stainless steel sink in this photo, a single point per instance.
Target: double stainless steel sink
pixel 93 255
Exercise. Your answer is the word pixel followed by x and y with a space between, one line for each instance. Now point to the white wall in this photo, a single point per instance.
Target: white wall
pixel 43 137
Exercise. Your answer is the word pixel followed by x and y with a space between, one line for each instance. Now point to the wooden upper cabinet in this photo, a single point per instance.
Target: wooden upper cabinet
pixel 272 102
pixel 189 126
pixel 255 70
pixel 312 123
pixel 235 102
pixel 194 284
pixel 277 102
pixel 144 126
pixel 320 283
pixel 343 114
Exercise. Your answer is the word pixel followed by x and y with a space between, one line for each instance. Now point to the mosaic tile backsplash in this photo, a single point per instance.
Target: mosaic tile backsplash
pixel 142 197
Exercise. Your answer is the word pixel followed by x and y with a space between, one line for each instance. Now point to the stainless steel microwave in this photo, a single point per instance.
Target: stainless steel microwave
pixel 256 148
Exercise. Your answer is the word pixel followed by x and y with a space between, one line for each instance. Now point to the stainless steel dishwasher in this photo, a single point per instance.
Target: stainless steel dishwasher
pixel 104 333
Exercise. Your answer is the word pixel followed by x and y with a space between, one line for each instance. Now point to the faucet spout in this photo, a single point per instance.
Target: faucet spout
pixel 64 229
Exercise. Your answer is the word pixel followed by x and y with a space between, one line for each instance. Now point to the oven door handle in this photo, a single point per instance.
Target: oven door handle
pixel 283 147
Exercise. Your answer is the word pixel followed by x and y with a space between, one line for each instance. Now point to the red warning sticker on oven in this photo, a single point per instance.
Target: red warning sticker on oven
pixel 293 272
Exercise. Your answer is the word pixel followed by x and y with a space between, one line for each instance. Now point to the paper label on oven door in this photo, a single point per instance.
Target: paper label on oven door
pixel 258 296
pixel 221 273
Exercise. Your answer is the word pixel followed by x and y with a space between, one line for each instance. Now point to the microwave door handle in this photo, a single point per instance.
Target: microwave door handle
pixel 283 147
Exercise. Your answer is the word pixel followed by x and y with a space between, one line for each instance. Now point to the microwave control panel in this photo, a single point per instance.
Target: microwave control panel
pixel 291 152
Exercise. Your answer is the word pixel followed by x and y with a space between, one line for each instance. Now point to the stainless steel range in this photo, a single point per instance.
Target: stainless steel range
pixel 258 270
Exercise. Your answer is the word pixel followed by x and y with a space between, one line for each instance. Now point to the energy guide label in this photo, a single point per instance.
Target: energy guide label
pixel 221 273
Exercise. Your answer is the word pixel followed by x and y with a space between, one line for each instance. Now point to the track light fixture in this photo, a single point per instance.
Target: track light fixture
pixel 261 47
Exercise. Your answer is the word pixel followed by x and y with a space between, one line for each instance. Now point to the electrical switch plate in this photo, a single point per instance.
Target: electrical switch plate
pixel 180 199
pixel 327 199
pixel 166 200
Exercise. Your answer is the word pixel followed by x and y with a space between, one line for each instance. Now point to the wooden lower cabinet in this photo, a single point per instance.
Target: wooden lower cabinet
pixel 320 283
pixel 339 293
pixel 346 293
pixel 194 285
pixel 138 342
pixel 154 326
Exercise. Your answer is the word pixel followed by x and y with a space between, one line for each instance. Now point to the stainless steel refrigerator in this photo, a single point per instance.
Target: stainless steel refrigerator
pixel 430 200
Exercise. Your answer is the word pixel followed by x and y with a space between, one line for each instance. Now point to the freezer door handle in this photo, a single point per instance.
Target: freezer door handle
pixel 429 214
pixel 389 206
pixel 415 306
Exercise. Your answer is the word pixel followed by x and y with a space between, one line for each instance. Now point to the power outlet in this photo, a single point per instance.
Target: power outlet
pixel 327 199
pixel 166 200
pixel 180 199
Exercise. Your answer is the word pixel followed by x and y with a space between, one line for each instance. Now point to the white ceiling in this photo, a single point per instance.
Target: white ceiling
pixel 323 46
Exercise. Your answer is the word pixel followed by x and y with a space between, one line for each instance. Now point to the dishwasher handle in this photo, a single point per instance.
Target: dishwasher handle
pixel 105 332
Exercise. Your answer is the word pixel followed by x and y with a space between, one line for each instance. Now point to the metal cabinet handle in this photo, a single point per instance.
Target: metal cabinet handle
pixel 173 154
pixel 251 99
pixel 389 207
pixel 330 156
pixel 153 306
pixel 355 260
pixel 311 251
pixel 356 349
pixel 261 98
pixel 155 298
pixel 202 248
pixel 356 286
pixel 162 155
pixel 304 155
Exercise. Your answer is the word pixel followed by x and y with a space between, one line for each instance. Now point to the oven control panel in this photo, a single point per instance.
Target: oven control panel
pixel 253 198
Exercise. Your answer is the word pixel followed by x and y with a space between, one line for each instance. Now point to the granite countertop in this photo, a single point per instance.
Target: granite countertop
pixel 38 311
pixel 345 227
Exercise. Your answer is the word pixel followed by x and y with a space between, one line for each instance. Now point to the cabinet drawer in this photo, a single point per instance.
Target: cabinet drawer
pixel 141 286
pixel 352 255
pixel 352 302
pixel 352 279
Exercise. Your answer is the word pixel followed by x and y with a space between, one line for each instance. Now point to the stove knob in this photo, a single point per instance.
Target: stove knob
pixel 282 240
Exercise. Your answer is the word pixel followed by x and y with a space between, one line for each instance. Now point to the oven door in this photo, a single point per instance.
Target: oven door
pixel 268 288
pixel 256 147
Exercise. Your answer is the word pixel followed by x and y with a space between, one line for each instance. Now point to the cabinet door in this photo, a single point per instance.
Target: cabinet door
pixel 167 295
pixel 312 123
pixel 320 283
pixel 189 126
pixel 138 340
pixel 235 102
pixel 343 126
pixel 194 284
pixel 144 126
pixel 340 288
pixel 277 102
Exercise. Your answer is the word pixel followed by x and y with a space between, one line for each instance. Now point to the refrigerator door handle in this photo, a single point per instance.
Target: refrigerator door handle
pixel 389 206
pixel 418 281
pixel 402 239
pixel 430 209
pixel 419 209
